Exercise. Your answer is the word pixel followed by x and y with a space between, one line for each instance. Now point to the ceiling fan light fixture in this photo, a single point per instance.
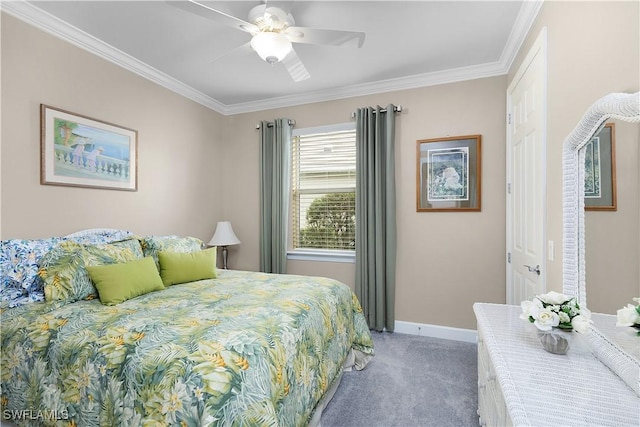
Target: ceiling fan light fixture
pixel 271 47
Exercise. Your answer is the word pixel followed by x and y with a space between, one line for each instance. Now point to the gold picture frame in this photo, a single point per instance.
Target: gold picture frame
pixel 79 151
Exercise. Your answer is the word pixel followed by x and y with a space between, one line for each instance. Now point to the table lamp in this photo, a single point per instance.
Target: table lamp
pixel 224 236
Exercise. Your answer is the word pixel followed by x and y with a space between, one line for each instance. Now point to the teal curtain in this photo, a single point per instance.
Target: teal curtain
pixel 376 215
pixel 275 161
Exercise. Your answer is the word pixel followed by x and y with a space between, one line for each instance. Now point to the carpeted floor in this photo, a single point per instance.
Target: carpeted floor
pixel 412 381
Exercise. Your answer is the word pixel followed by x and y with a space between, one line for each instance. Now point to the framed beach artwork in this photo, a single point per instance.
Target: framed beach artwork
pixel 600 171
pixel 448 174
pixel 79 151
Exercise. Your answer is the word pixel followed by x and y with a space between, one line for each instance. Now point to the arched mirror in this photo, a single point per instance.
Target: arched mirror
pixel 618 351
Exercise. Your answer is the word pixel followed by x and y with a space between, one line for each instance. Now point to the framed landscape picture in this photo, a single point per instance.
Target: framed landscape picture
pixel 448 177
pixel 79 151
pixel 600 171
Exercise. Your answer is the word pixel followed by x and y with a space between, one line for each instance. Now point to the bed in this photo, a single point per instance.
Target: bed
pixel 243 348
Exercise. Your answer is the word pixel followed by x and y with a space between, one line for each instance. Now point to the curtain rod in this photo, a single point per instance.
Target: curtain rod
pixel 396 109
pixel 270 124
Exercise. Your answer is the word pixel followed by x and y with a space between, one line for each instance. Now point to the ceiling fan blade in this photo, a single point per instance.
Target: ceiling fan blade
pixel 203 10
pixel 244 49
pixel 295 67
pixel 325 37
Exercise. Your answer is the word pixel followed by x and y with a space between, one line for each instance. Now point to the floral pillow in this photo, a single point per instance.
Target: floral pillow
pixel 19 263
pixel 151 245
pixel 63 269
pixel 20 259
pixel 98 236
pixel 12 294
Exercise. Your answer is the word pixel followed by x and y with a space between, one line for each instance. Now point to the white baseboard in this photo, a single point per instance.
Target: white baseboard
pixel 436 331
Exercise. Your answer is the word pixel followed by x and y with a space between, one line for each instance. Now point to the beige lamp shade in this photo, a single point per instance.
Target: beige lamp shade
pixel 224 235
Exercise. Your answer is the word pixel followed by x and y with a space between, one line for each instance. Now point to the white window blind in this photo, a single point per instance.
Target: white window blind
pixel 324 185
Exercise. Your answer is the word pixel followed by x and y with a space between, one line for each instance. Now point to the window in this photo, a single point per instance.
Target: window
pixel 324 188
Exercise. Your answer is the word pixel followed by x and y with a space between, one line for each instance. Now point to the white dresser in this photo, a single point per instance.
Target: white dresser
pixel 519 383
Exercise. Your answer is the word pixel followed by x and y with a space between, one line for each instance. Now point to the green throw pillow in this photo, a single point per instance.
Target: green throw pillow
pixel 178 267
pixel 117 283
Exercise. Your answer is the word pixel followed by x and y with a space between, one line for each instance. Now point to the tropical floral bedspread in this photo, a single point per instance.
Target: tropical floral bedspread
pixel 242 349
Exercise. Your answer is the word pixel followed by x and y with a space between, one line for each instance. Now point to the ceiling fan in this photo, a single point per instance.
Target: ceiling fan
pixel 273 30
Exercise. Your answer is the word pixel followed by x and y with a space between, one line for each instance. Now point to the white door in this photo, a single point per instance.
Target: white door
pixel 526 176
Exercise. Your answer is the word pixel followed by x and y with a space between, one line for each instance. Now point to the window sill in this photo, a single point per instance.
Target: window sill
pixel 322 255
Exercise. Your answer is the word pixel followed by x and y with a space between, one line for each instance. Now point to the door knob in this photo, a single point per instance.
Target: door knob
pixel 535 269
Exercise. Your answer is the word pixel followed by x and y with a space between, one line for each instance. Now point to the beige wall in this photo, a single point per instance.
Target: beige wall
pixel 197 167
pixel 445 259
pixel 593 50
pixel 179 151
pixel 0 126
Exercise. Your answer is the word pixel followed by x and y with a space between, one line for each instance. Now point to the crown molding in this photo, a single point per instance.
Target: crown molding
pixel 524 21
pixel 46 22
pixel 52 25
pixel 381 86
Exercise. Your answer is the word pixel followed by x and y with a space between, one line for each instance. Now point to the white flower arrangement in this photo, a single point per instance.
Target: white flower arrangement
pixel 630 315
pixel 556 310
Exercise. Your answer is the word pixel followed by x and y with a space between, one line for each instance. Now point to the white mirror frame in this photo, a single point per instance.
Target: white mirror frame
pixel 621 106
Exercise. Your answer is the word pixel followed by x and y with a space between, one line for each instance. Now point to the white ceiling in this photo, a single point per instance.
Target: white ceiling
pixel 408 44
